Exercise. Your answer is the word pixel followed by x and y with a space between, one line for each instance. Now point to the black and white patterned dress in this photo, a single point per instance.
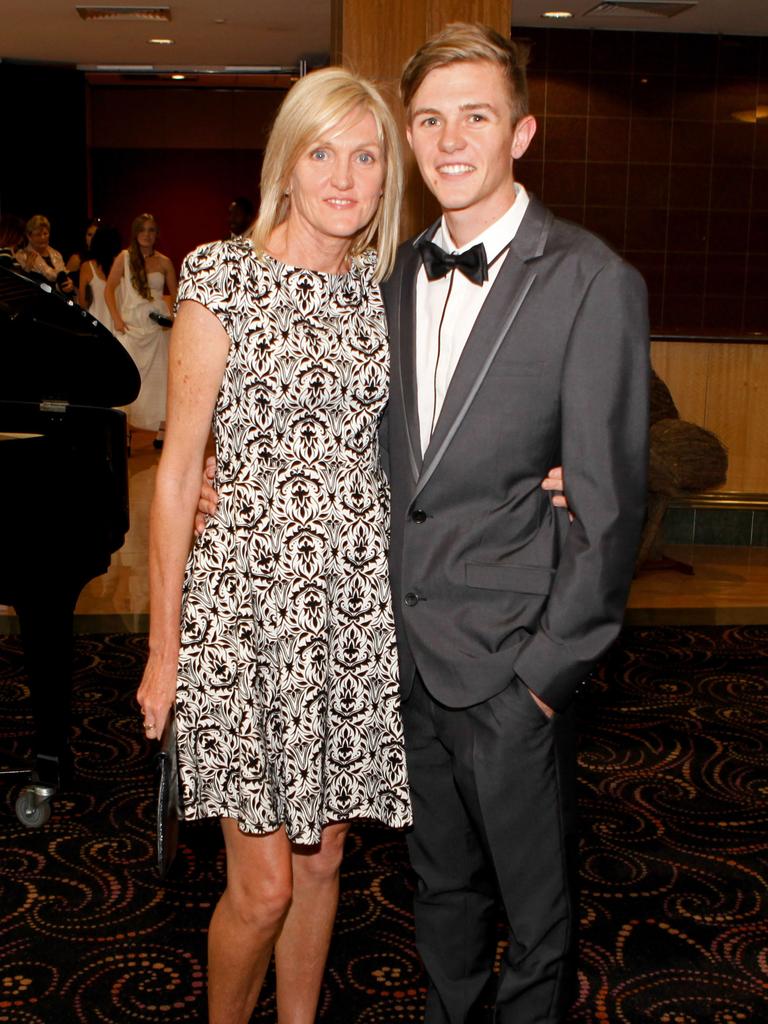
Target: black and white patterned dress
pixel 287 705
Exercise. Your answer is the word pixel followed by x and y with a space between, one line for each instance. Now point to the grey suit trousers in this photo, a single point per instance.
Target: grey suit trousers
pixel 494 827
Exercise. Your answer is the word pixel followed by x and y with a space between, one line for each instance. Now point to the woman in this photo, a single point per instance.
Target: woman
pixel 91 292
pixel 12 238
pixel 144 275
pixel 38 257
pixel 284 671
pixel 77 259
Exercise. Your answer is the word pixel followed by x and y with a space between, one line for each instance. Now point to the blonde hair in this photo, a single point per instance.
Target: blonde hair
pixel 463 41
pixel 314 106
pixel 36 222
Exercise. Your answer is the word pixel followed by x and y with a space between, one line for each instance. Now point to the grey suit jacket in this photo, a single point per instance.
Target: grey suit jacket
pixel 489 580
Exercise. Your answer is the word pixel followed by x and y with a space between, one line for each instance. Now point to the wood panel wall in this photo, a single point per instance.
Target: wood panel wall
pixel 376 37
pixel 723 387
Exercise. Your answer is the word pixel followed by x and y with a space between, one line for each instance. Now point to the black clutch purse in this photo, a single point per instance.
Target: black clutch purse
pixel 168 798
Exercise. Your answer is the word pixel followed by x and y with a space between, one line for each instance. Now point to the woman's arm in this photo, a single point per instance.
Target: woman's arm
pixel 197 357
pixel 170 279
pixel 33 263
pixel 63 283
pixel 22 258
pixel 86 273
pixel 110 291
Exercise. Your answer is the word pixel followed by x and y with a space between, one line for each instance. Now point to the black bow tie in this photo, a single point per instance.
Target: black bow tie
pixel 437 262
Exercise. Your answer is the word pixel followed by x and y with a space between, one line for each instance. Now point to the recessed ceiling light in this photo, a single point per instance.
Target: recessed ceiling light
pixel 178 78
pixel 162 42
pixel 90 12
pixel 557 14
pixel 640 8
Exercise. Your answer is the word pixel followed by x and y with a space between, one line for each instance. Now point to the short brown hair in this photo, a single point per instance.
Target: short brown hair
pixel 462 41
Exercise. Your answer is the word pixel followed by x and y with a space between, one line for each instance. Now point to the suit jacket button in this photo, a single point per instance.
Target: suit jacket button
pixel 411 599
pixel 419 515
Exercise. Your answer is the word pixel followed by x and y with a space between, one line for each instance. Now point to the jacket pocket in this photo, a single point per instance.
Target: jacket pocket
pixel 524 579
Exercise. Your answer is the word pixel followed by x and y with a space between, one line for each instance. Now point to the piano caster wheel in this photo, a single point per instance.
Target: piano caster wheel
pixel 33 806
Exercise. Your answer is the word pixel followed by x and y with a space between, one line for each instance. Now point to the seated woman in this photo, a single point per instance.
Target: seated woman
pixel 38 257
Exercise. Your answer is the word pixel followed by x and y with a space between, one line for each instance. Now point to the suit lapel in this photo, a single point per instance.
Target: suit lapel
pixel 405 303
pixel 493 324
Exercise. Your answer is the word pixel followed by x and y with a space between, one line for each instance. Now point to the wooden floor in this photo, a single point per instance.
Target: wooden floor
pixel 729 585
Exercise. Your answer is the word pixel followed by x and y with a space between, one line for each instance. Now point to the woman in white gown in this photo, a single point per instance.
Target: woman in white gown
pixel 104 247
pixel 137 282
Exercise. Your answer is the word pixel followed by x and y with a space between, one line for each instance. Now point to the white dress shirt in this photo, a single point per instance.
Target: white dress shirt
pixel 446 310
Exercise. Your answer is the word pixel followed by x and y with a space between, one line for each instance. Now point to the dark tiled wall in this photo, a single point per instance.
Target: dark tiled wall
pixel 736 526
pixel 637 142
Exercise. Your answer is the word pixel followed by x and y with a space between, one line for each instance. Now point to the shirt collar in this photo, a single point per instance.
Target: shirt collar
pixel 498 235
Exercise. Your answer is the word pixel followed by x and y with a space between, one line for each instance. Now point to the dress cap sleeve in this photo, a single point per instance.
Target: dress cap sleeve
pixel 213 275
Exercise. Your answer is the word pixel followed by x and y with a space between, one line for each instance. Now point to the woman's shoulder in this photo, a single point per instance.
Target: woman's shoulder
pixel 231 260
pixel 217 272
pixel 233 250
pixel 158 258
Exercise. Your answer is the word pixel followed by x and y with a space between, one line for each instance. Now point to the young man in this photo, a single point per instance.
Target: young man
pixel 528 349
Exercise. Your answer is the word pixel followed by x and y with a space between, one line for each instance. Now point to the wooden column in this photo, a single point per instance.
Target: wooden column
pixel 376 37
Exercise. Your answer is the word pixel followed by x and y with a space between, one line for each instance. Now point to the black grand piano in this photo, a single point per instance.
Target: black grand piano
pixel 64 498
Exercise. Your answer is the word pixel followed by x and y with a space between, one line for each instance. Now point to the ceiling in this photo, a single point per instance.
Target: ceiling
pixel 717 17
pixel 277 33
pixel 207 33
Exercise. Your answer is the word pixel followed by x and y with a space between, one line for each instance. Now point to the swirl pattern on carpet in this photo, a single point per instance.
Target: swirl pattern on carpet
pixel 673 789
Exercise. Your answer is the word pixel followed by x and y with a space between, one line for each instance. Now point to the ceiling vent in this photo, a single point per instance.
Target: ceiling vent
pixel 112 13
pixel 640 8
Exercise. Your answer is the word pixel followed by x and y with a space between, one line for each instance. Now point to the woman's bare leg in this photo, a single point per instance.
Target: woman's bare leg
pixel 302 949
pixel 246 921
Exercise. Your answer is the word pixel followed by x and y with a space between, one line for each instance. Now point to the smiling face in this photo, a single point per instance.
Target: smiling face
pixel 462 132
pixel 337 182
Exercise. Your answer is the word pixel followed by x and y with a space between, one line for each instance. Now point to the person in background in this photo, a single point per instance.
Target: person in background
pixel 104 247
pixel 12 237
pixel 40 258
pixel 283 672
pixel 242 214
pixel 76 260
pixel 139 278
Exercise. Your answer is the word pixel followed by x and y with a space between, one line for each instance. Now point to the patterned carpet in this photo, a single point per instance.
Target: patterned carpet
pixel 673 789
